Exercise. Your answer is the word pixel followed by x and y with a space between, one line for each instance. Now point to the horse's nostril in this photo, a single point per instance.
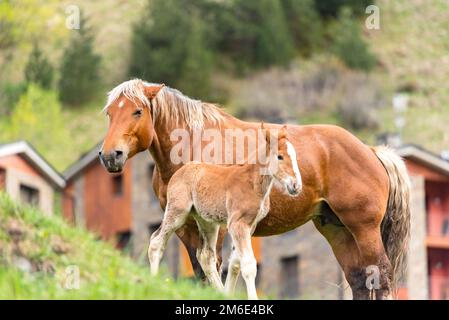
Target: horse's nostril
pixel 118 153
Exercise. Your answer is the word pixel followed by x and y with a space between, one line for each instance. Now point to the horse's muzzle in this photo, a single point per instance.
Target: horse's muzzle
pixel 293 189
pixel 114 161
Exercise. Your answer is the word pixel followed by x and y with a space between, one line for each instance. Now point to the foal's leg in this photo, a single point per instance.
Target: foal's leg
pixel 174 218
pixel 207 255
pixel 241 238
pixel 233 272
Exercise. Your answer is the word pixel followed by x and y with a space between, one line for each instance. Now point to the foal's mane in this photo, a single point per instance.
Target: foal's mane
pixel 169 104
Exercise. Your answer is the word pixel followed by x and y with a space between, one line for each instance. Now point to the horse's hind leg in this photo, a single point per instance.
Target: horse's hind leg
pixel 361 255
pixel 174 218
pixel 376 267
pixel 233 272
pixel 207 255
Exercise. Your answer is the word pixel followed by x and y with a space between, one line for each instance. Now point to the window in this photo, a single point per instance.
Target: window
pixel 117 185
pixel 289 277
pixel 123 239
pixel 445 227
pixel 29 195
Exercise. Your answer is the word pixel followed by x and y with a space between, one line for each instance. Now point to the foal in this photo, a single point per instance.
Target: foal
pixel 237 196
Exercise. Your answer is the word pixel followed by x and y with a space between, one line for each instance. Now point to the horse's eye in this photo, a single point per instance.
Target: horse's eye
pixel 280 157
pixel 137 113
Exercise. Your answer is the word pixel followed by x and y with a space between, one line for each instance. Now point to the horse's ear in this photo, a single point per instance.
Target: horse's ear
pixel 152 91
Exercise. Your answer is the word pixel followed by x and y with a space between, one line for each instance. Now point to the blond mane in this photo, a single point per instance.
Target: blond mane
pixel 169 104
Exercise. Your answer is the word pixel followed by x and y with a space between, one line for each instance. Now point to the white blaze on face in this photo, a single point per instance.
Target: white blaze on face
pixel 121 104
pixel 292 153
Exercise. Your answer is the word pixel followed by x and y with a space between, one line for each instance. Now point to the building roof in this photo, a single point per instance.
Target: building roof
pixel 85 160
pixel 25 150
pixel 424 156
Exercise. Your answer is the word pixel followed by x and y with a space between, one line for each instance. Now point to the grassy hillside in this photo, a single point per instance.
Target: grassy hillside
pixel 36 250
pixel 412 46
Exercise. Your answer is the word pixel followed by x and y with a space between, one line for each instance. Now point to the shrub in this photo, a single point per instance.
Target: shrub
pixel 294 92
pixel 9 95
pixel 304 24
pixel 349 45
pixel 255 33
pixel 80 68
pixel 170 44
pixel 37 119
pixel 319 92
pixel 38 69
pixel 361 99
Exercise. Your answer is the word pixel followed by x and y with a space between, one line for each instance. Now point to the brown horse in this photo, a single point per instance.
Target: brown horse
pixel 212 195
pixel 357 196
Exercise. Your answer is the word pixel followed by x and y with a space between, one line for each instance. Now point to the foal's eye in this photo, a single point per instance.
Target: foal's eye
pixel 137 113
pixel 280 158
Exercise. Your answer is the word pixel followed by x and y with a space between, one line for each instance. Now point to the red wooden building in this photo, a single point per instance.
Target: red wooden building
pixel 27 177
pixel 434 172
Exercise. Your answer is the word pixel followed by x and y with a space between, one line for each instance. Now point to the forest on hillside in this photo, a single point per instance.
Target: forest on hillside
pixel 302 61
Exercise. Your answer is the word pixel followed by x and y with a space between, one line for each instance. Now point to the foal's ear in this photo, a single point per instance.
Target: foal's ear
pixel 283 132
pixel 152 91
pixel 266 132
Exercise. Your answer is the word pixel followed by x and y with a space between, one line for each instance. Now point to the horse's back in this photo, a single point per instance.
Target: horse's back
pixel 207 185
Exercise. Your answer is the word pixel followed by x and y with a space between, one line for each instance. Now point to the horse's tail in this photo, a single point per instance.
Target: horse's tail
pixel 395 226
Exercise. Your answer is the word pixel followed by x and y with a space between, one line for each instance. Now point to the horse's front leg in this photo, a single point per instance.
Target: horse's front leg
pixel 241 239
pixel 174 218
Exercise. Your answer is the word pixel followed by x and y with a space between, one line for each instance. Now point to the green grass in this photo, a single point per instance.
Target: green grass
pixel 104 272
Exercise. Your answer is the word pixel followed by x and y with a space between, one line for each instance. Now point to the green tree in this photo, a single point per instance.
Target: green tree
pixel 38 69
pixel 37 118
pixel 79 70
pixel 197 65
pixel 170 44
pixel 348 43
pixel 257 33
pixel 305 25
pixel 8 32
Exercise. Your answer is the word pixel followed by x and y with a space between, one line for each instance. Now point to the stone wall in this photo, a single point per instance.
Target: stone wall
pixel 417 274
pixel 15 178
pixel 78 206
